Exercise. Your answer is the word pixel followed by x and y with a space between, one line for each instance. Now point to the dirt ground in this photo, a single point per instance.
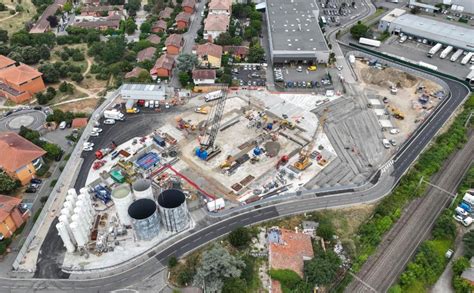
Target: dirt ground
pixel 85 106
pixel 405 100
pixel 16 22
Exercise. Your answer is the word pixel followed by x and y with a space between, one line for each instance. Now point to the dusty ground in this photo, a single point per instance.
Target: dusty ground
pixel 17 22
pixel 86 106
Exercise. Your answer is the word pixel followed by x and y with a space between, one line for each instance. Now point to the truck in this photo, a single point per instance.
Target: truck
pixel 114 114
pixel 434 50
pixel 159 140
pixel 213 96
pixel 467 58
pixel 446 52
pixel 100 154
pixel 456 55
pixel 427 65
pixel 215 205
pixel 369 42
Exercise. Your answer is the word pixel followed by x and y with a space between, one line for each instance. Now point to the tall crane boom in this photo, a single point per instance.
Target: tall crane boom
pixel 208 148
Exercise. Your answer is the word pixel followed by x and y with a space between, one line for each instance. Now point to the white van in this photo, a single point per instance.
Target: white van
pixel 386 143
pixel 213 96
pixel 62 125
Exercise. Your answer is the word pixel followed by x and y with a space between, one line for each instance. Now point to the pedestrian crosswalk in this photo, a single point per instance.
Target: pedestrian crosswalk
pixel 387 166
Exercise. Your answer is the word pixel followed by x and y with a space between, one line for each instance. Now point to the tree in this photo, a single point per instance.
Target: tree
pixel 224 39
pixel 42 98
pixel 216 265
pixel 77 77
pixel 78 56
pixel 172 262
pixel 67 6
pixel 256 54
pixel 468 240
pixel 460 264
pixel 53 20
pixel 7 184
pixel 145 27
pixel 240 237
pixel 130 26
pixel 445 226
pixel 359 30
pixel 322 269
pixel 52 150
pixel 50 73
pixel 234 285
pixel 325 230
pixel 3 7
pixel 186 62
pixel 3 36
pixel 184 78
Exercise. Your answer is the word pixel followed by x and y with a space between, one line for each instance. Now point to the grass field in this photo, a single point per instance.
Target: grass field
pixel 18 21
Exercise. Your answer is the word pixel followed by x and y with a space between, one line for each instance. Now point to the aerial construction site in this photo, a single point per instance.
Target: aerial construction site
pixel 227 148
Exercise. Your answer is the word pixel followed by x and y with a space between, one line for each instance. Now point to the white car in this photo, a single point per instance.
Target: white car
pixel 299 69
pixel 147 104
pixel 460 211
pixel 393 142
pixel 88 144
pixel 157 104
pixel 109 121
pixel 87 149
pixel 339 67
pixel 394 131
pixel 167 105
pixel 458 218
pixel 93 133
pixel 97 129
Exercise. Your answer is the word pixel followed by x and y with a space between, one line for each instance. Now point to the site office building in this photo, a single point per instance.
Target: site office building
pixel 294 32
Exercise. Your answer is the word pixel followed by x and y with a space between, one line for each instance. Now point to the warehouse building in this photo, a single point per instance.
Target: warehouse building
pixel 294 32
pixel 461 37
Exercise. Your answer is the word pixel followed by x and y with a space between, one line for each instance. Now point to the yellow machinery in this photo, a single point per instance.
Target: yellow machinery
pixel 304 161
pixel 287 124
pixel 397 114
pixel 227 163
pixel 202 110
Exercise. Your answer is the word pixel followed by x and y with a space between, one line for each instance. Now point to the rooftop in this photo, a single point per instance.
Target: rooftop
pixel 5 62
pixel 220 4
pixel 19 74
pixel 17 151
pixel 290 250
pixel 183 16
pixel 209 49
pixel 392 15
pixel 146 54
pixel 101 8
pixel 99 23
pixel 216 22
pixel 79 122
pixel 42 25
pixel 204 74
pixel 165 61
pixel 165 13
pixel 446 33
pixel 294 26
pixel 188 3
pixel 135 72
pixel 174 40
pixel 160 24
pixel 154 39
pixel 7 204
pixel 237 50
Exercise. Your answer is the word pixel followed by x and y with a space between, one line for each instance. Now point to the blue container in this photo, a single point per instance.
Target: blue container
pixel 270 126
pixel 466 207
pixel 257 151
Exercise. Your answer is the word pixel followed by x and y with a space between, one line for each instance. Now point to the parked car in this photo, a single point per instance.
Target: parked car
pixel 39 108
pixel 36 181
pixel 147 104
pixel 93 133
pixel 109 121
pixel 460 211
pixel 299 69
pixel 62 125
pixel 394 131
pixel 97 129
pixel 88 144
pixel 30 189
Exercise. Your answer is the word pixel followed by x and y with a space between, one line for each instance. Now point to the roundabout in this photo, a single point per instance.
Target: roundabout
pixel 32 119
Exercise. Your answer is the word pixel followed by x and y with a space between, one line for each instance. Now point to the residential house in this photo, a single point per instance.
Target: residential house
pixel 165 13
pixel 19 83
pixel 220 7
pixel 79 123
pixel 209 55
pixel 12 215
pixel 204 76
pixel 103 10
pixel 239 52
pixel 146 54
pixel 20 158
pixel 159 26
pixel 154 39
pixel 468 274
pixel 214 25
pixel 288 250
pixel 134 73
pixel 182 20
pixel 42 25
pixel 188 6
pixel 163 66
pixel 173 44
pixel 112 22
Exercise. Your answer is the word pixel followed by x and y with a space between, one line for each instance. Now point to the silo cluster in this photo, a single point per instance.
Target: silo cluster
pixel 173 210
pixel 145 218
pixel 75 220
pixel 142 189
pixel 122 197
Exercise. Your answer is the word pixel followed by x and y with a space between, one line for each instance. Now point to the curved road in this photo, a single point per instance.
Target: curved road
pixel 155 261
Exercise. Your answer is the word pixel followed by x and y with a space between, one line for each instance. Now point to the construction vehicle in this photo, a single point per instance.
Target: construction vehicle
pixel 227 163
pixel 282 161
pixel 100 154
pixel 304 160
pixel 397 114
pixel 202 110
pixel 183 124
pixel 287 124
pixel 207 148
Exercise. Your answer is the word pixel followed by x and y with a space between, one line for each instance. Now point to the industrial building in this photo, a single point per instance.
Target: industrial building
pixel 389 18
pixel 294 32
pixel 460 37
pixel 137 91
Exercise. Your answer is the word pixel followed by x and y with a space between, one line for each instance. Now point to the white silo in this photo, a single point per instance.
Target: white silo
pixel 83 190
pixel 122 197
pixel 69 205
pixel 85 209
pixel 66 212
pixel 72 191
pixel 66 221
pixel 71 198
pixel 86 198
pixel 64 234
pixel 80 237
pixel 82 226
pixel 142 189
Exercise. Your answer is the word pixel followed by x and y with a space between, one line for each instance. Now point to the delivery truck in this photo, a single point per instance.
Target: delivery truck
pixel 434 50
pixel 467 58
pixel 114 114
pixel 369 42
pixel 456 55
pixel 446 52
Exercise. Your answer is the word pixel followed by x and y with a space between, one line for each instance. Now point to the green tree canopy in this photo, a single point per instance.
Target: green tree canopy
pixel 322 269
pixel 359 30
pixel 186 62
pixel 240 237
pixel 7 184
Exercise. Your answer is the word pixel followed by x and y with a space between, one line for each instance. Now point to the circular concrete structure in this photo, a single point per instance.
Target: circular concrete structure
pixel 122 197
pixel 29 118
pixel 142 189
pixel 173 210
pixel 145 218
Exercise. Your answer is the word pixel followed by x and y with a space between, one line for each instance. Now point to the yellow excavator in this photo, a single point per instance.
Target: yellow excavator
pixel 304 160
pixel 202 110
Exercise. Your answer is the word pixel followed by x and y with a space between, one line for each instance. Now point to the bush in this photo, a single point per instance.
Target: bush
pixel 42 171
pixel 172 262
pixel 240 237
pixel 8 185
pixel 53 182
pixel 37 214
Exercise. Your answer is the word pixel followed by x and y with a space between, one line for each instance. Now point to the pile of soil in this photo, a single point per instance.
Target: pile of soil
pixel 388 77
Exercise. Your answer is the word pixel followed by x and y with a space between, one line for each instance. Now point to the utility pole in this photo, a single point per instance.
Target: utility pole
pixel 362 282
pixel 453 195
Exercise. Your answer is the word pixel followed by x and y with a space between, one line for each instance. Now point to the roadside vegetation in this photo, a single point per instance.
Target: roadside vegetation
pixel 389 210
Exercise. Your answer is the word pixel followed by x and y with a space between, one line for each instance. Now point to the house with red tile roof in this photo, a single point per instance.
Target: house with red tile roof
pixel 146 54
pixel 209 55
pixel 20 158
pixel 182 20
pixel 204 76
pixel 12 215
pixel 154 39
pixel 215 24
pixel 173 44
pixel 6 62
pixel 102 10
pixel 288 250
pixel 188 6
pixel 19 83
pixel 79 123
pixel 239 52
pixel 220 7
pixel 165 13
pixel 163 66
pixel 134 73
pixel 159 26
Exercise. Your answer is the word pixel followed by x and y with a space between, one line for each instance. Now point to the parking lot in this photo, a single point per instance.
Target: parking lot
pixel 249 75
pixel 414 50
pixel 337 12
pixel 306 78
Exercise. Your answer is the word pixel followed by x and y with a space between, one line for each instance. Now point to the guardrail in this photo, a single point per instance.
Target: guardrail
pixel 72 168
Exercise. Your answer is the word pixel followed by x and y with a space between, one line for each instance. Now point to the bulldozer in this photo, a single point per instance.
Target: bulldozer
pixel 183 124
pixel 287 124
pixel 227 163
pixel 304 160
pixel 397 114
pixel 202 110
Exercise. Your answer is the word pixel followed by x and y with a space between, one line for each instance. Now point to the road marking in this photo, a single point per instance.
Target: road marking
pixel 387 166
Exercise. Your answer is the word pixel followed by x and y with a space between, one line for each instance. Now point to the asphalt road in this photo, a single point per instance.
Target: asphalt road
pixel 400 243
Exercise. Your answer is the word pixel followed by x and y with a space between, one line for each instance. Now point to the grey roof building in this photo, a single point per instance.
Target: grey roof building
pixel 136 91
pixel 461 37
pixel 294 32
